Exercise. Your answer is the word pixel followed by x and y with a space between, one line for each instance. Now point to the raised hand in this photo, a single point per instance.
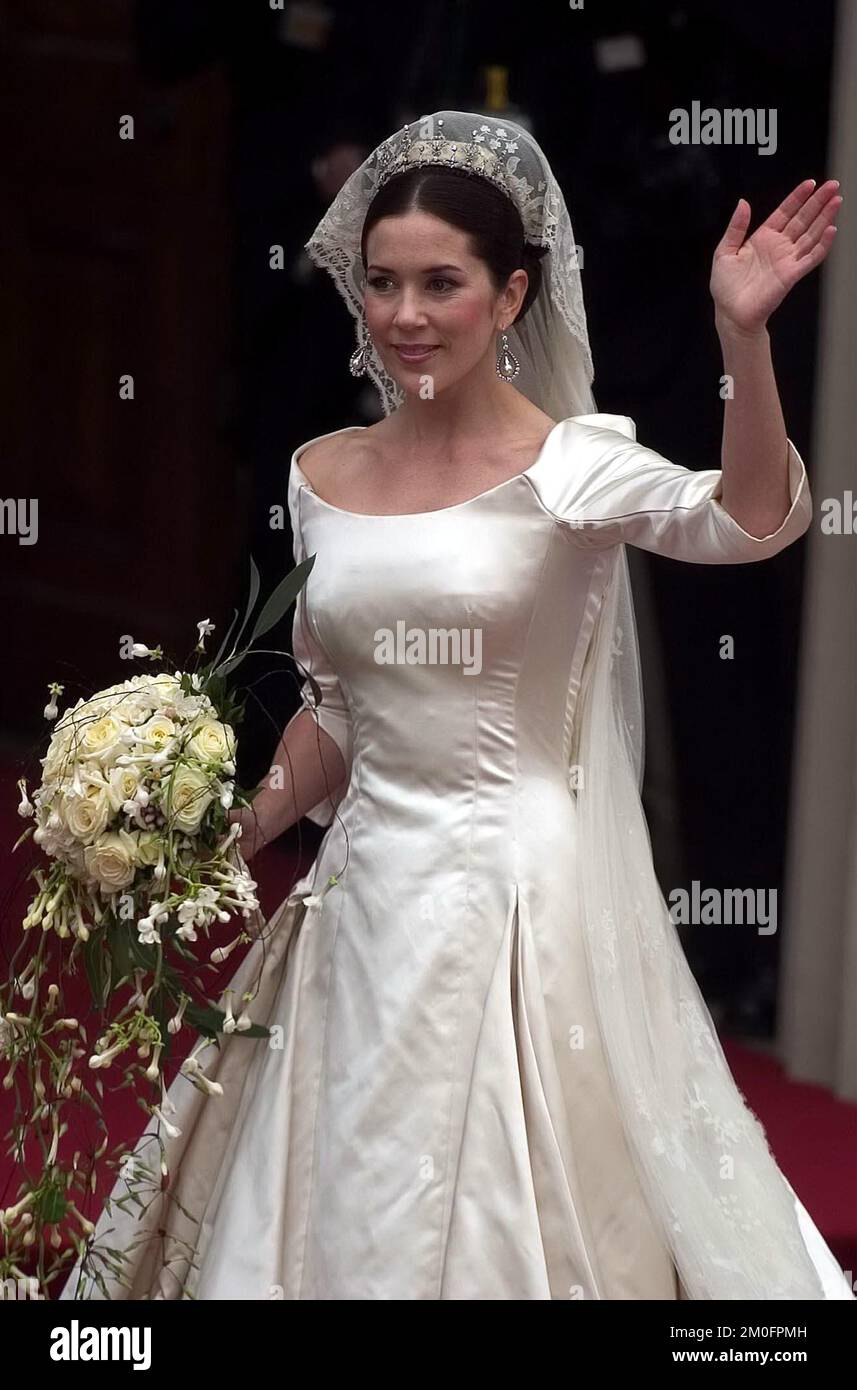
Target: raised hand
pixel 750 278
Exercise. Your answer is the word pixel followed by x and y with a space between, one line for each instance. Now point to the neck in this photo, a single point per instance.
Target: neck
pixel 477 406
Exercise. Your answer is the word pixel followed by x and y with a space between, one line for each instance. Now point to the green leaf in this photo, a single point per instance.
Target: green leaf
pixel 255 585
pixel 119 945
pixel 283 597
pixel 93 960
pixel 21 838
pixel 144 957
pixel 53 1205
pixel 279 602
pixel 225 641
pixel 251 603
pixel 207 1020
pixel 216 692
pixel 210 1021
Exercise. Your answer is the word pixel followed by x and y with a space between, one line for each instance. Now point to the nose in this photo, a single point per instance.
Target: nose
pixel 409 310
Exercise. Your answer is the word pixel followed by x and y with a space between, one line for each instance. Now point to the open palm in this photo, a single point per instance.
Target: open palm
pixel 749 279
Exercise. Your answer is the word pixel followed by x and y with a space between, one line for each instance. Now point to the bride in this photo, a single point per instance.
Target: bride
pixel 490 1073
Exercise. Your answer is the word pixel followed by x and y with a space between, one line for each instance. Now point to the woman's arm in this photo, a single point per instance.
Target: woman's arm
pixel 749 279
pixel 308 767
pixel 754 453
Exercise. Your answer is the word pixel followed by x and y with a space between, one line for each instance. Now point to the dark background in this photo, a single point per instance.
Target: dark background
pixel 150 257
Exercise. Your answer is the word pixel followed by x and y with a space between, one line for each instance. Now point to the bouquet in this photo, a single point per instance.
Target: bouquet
pixel 144 866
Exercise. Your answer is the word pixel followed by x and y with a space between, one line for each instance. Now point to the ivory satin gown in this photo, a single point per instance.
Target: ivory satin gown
pixel 425 1124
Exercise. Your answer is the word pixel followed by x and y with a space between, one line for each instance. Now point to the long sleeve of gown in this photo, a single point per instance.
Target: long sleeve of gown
pixel 615 490
pixel 331 714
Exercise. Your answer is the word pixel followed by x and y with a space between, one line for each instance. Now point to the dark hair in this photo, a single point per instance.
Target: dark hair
pixel 472 204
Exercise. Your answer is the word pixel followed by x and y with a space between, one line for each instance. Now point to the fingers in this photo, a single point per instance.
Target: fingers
pixel 807 263
pixel 797 212
pixel 733 237
pixel 791 205
pixel 809 239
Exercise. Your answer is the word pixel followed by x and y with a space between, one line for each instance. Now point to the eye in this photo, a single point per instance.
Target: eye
pixel 439 282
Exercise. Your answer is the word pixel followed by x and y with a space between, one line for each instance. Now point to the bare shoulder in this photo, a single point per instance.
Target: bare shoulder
pixel 325 457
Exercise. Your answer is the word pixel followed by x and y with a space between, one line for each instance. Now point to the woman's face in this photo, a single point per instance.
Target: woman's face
pixel 425 290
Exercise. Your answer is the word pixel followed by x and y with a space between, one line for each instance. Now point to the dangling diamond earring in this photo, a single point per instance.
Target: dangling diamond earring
pixel 508 365
pixel 359 359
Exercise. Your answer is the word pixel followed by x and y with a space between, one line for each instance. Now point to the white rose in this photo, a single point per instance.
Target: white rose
pixel 111 860
pixel 86 816
pixel 87 712
pixel 148 847
pixel 101 738
pixel 122 786
pixel 58 756
pixel 211 741
pixel 188 797
pixel 156 731
pixel 158 690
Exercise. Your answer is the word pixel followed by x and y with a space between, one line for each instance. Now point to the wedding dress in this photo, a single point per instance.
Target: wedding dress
pixel 437 1115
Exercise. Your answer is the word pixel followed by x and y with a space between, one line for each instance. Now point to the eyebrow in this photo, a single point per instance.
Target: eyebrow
pixel 429 270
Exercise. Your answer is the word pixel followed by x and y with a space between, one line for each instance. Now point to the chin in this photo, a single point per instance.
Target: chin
pixel 412 382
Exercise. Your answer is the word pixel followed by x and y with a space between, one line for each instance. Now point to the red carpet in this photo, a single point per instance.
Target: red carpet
pixel 812 1134
pixel 814 1138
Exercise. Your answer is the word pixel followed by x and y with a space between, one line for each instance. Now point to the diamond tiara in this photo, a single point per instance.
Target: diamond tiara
pixel 403 152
